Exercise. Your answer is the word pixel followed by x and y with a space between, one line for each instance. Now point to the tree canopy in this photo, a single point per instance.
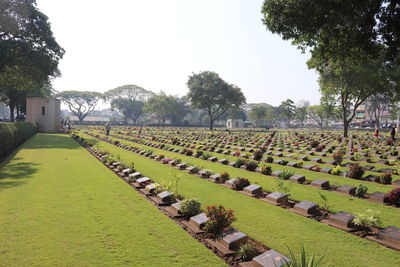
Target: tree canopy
pixel 80 103
pixel 208 91
pixel 29 52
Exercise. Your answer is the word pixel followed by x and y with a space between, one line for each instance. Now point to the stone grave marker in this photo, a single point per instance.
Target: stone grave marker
pixel 326 170
pixel 270 258
pixel 342 220
pixel 297 178
pixel 306 208
pixel 253 190
pixel 223 161
pixel 377 197
pixel 215 177
pixel 317 160
pixel 232 239
pixel 276 173
pixel 347 189
pixel 391 236
pixel 277 198
pixel 164 198
pixel 292 164
pixel 213 159
pixel 321 184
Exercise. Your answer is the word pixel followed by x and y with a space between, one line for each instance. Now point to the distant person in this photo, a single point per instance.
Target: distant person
pixel 376 133
pixel 393 133
pixel 108 128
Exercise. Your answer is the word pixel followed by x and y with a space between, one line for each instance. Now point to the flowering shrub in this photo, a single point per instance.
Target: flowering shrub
pixel 266 170
pixel 269 159
pixel 224 176
pixel 220 219
pixel 386 178
pixel 336 170
pixel 354 149
pixel 314 144
pixel 338 157
pixel 257 155
pixel 367 220
pixel 237 154
pixel 361 190
pixel 393 197
pixel 190 207
pixel 239 162
pixel 316 168
pixel 355 172
pixel 240 183
pixel 251 166
pixel 188 152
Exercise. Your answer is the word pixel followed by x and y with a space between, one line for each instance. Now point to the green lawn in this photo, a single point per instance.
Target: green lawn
pixel 59 206
pixel 268 224
pixel 338 202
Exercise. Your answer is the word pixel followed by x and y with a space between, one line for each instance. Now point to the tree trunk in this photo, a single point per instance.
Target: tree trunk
pixel 11 106
pixel 345 128
pixel 211 124
pixel 398 120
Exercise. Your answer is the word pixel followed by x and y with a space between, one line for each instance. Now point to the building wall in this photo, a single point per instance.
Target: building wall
pixel 45 112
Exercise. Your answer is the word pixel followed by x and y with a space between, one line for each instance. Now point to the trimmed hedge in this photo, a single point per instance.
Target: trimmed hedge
pixel 13 134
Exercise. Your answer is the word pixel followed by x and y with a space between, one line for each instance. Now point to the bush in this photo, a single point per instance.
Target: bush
pixel 367 220
pixel 285 175
pixel 386 178
pixel 269 159
pixel 220 219
pixel 338 157
pixel 361 190
pixel 266 170
pixel 302 260
pixel 336 170
pixel 190 207
pixel 355 172
pixel 247 251
pixel 257 155
pixel 13 134
pixel 240 183
pixel 314 144
pixel 251 166
pixel 239 162
pixel 393 197
pixel 224 177
pixel 206 155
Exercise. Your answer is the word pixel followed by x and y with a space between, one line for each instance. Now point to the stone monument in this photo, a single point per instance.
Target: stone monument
pixel 45 112
pixel 234 123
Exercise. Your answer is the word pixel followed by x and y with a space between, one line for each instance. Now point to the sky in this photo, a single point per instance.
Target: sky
pixel 157 44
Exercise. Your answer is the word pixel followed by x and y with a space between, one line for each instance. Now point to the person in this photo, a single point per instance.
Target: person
pixel 108 128
pixel 376 133
pixel 393 132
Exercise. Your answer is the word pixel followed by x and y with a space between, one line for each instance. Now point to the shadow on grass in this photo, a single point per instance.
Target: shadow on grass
pixel 46 141
pixel 13 174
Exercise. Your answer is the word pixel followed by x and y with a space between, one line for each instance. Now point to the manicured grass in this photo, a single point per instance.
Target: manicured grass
pixel 310 175
pixel 338 202
pixel 271 225
pixel 59 206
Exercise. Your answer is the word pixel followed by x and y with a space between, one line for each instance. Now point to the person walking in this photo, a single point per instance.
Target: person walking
pixel 376 133
pixel 108 128
pixel 393 133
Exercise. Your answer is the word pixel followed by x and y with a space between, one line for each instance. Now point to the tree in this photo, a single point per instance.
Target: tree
pixel 208 91
pixel 166 107
pixel 258 114
pixel 377 104
pixel 300 114
pixel 350 82
pixel 29 53
pixel 287 110
pixel 129 109
pixel 80 103
pixel 130 91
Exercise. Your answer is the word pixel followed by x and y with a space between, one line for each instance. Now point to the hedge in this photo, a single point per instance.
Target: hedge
pixel 13 134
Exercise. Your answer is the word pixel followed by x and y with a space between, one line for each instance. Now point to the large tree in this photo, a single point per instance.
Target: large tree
pixel 208 91
pixel 129 109
pixel 286 111
pixel 166 107
pixel 80 103
pixel 29 52
pixel 376 105
pixel 129 91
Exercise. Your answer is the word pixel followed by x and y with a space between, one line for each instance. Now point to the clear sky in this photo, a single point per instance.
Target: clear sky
pixel 157 44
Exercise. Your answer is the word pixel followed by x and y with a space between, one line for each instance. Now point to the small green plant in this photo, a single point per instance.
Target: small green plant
pixel 285 175
pixel 283 186
pixel 206 155
pixel 361 191
pixel 324 205
pixel 336 170
pixel 386 178
pixel 303 261
pixel 239 162
pixel 266 170
pixel 367 220
pixel 190 207
pixel 240 183
pixel 224 176
pixel 247 251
